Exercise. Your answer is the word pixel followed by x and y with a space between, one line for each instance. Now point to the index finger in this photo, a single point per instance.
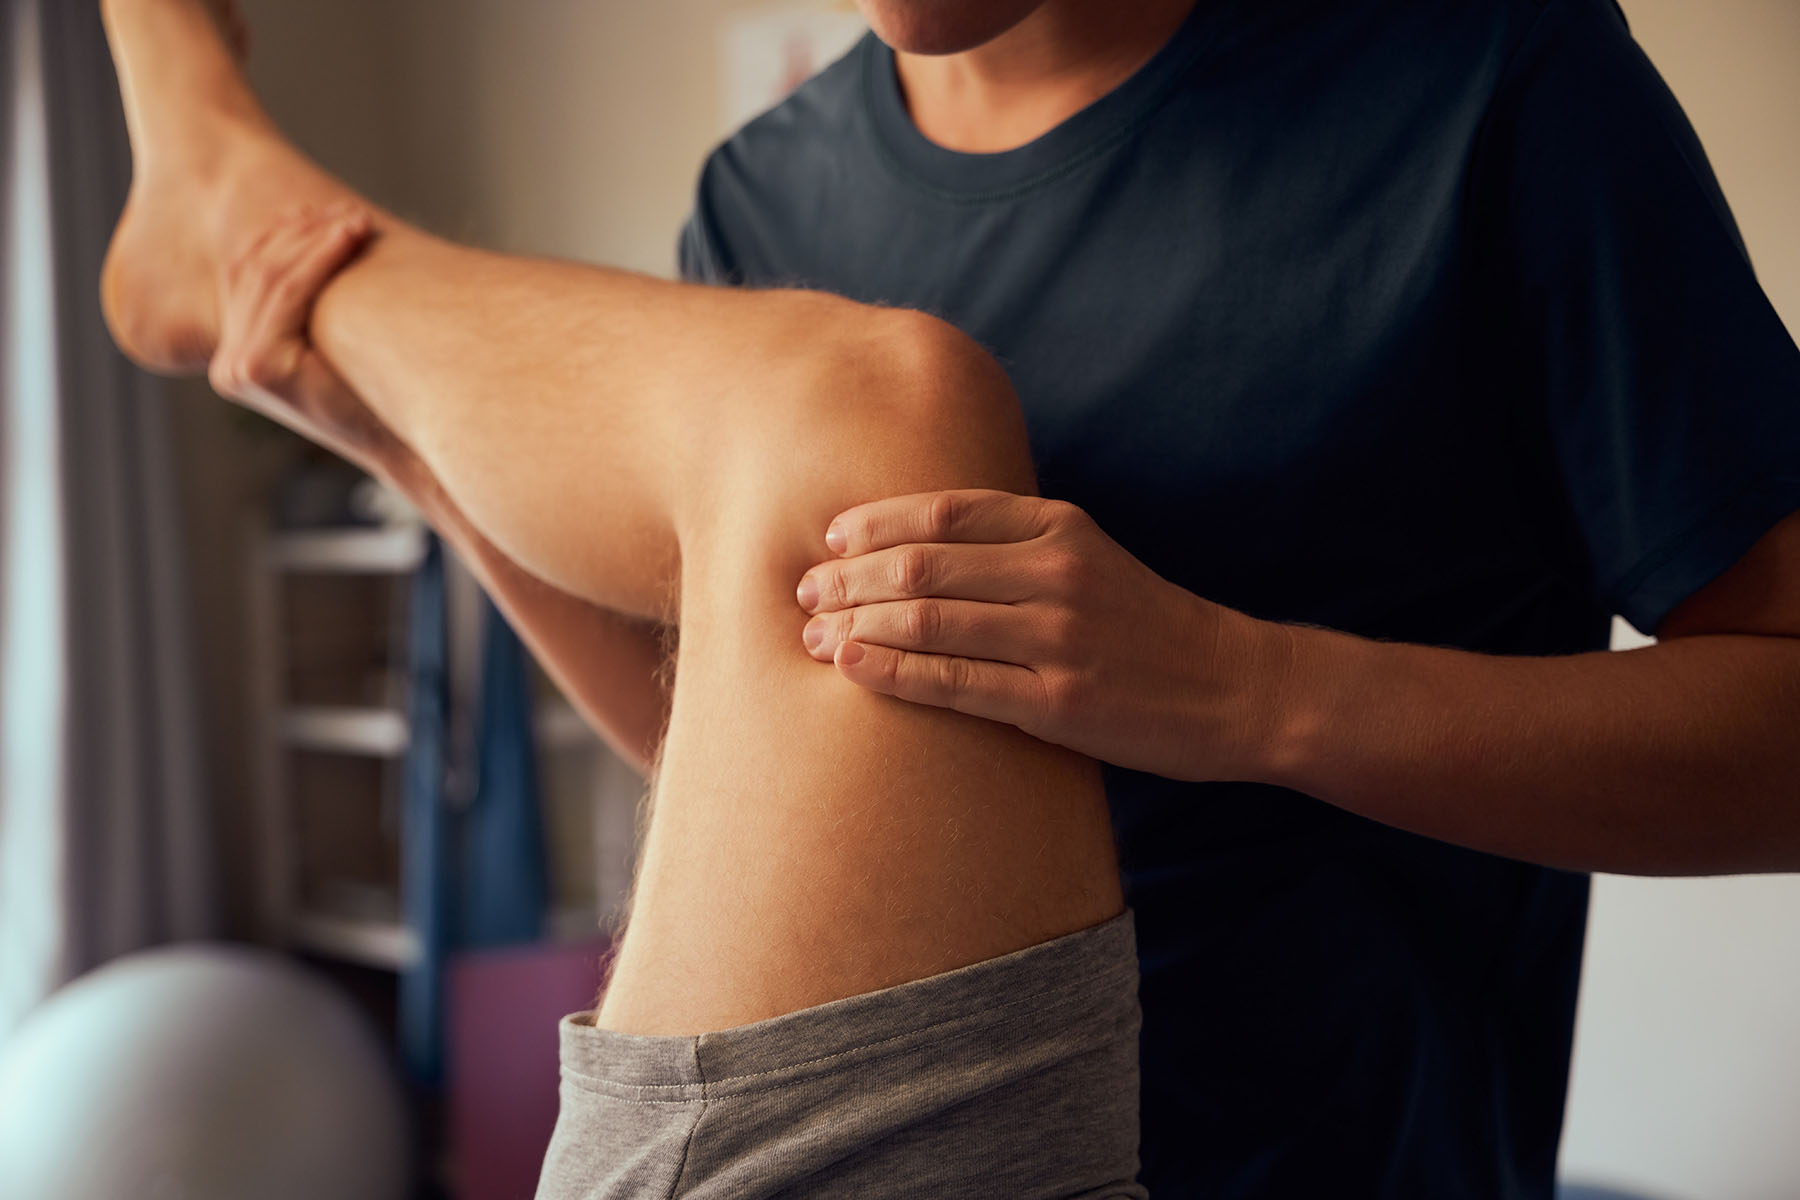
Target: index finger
pixel 964 515
pixel 333 244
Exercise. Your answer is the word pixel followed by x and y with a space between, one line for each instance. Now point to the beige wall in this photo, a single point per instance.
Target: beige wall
pixel 561 126
pixel 1735 67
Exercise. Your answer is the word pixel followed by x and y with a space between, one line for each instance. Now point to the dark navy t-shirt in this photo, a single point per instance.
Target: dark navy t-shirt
pixel 1419 319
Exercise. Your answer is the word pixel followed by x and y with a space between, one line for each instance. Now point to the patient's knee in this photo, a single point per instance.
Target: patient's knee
pixel 903 402
pixel 951 402
pixel 872 403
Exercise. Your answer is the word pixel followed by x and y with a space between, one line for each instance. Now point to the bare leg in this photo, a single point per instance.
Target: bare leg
pixel 668 449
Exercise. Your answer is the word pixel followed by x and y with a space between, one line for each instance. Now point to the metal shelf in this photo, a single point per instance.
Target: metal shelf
pixel 373 943
pixel 378 549
pixel 559 727
pixel 376 732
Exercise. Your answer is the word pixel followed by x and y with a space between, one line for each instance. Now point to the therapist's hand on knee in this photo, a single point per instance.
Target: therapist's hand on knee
pixel 1022 610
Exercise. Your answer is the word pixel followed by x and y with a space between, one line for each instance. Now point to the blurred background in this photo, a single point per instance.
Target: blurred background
pixel 245 699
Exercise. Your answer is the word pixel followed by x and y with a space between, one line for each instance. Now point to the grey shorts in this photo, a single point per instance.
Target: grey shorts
pixel 1015 1078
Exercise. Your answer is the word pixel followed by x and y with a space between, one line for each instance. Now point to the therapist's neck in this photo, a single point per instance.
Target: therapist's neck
pixel 1025 82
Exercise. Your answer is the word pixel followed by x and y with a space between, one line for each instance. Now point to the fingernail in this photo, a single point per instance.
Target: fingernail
pixel 849 654
pixel 836 538
pixel 813 634
pixel 807 593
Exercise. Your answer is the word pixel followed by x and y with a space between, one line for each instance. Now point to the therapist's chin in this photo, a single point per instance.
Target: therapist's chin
pixel 943 26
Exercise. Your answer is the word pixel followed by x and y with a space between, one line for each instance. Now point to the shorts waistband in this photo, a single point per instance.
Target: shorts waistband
pixel 1083 984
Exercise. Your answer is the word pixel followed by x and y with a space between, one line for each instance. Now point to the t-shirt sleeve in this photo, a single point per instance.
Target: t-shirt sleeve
pixel 1626 302
pixel 697 260
pixel 699 252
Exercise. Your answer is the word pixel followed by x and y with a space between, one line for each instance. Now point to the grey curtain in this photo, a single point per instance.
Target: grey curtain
pixel 103 831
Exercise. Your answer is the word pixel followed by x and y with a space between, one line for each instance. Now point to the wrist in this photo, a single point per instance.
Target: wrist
pixel 1234 716
pixel 1258 698
pixel 1275 700
pixel 1316 688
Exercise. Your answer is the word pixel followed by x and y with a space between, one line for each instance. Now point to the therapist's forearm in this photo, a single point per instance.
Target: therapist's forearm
pixel 1679 758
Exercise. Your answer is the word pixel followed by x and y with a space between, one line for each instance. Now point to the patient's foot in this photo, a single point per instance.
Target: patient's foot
pixel 209 171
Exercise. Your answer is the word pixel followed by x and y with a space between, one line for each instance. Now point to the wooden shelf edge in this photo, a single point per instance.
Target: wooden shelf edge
pixel 375 732
pixel 373 943
pixel 375 549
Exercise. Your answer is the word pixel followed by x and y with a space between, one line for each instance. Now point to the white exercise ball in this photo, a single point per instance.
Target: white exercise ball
pixel 199 1072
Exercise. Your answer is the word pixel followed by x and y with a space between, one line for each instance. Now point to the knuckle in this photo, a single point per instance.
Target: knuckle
pixel 1063 568
pixel 242 371
pixel 1063 626
pixel 260 371
pixel 1058 694
pixel 251 254
pixel 287 290
pixel 922 621
pixel 1047 701
pixel 219 375
pixel 835 589
pixel 944 515
pixel 913 571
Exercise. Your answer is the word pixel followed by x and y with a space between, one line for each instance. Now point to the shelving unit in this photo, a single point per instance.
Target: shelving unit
pixel 328 664
pixel 362 923
pixel 352 921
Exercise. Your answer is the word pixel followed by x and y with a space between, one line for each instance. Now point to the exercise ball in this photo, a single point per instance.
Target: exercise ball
pixel 199 1072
